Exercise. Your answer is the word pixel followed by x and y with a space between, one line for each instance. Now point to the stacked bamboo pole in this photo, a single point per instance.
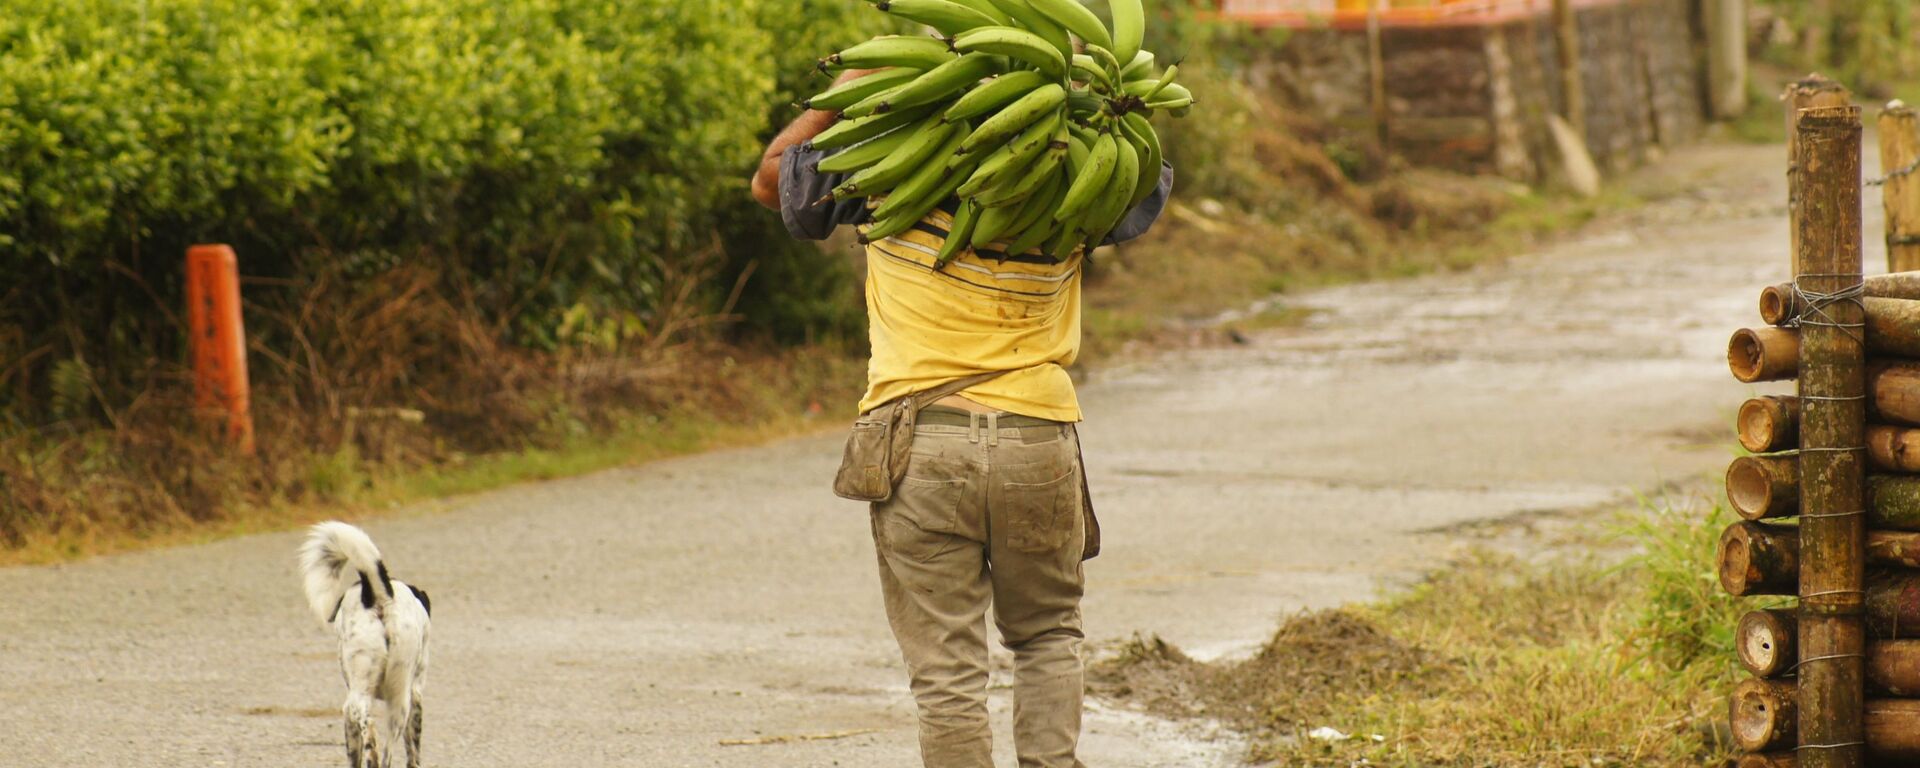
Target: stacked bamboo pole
pixel 1808 703
pixel 1899 156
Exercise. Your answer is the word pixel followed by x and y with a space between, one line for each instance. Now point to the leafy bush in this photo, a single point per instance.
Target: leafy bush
pixel 1867 44
pixel 558 153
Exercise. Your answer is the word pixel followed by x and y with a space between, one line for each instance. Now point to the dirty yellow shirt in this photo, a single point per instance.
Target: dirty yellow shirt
pixel 978 314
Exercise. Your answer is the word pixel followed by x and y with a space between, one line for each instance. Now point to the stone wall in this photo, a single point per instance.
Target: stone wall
pixel 1477 97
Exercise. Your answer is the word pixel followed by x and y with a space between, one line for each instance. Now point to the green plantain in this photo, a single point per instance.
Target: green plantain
pixel 1038 103
pixel 949 17
pixel 848 93
pixel 1016 43
pixel 995 93
pixel 1077 19
pixel 1092 179
pixel 850 132
pixel 929 136
pixel 960 234
pixel 891 51
pixel 865 153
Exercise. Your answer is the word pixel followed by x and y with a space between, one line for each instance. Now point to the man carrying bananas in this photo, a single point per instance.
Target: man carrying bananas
pixel 966 446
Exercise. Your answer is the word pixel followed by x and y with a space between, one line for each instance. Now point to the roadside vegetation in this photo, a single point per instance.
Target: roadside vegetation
pixel 1867 44
pixel 481 245
pixel 1614 650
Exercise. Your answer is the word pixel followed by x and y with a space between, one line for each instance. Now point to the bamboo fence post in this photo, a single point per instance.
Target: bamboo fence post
pixel 1763 715
pixel 1770 423
pixel 1832 379
pixel 1893 449
pixel 1809 92
pixel 1765 642
pixel 1760 487
pixel 1894 392
pixel 1893 502
pixel 1893 667
pixel 1771 353
pixel 1893 326
pixel 1899 151
pixel 1893 605
pixel 1778 307
pixel 1900 549
pixel 1763 354
pixel 1892 731
pixel 1762 559
pixel 1759 559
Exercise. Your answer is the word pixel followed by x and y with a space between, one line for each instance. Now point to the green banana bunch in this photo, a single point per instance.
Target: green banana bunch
pixel 1033 140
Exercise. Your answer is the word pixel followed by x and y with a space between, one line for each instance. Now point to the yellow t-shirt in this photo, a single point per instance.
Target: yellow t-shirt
pixel 1020 315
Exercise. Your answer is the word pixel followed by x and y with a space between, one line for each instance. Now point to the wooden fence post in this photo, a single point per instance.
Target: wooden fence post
pixel 1566 28
pixel 1809 92
pixel 1899 150
pixel 217 340
pixel 1832 378
pixel 1726 26
pixel 1377 74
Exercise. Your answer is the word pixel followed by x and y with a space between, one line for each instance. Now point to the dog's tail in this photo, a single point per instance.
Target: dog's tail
pixel 335 558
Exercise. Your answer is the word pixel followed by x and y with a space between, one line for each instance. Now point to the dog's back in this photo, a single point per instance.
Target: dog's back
pixel 382 625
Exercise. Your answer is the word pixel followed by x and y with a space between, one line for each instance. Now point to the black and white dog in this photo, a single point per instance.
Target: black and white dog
pixel 382 624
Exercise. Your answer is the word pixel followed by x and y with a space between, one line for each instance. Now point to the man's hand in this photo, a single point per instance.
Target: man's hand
pixel 766 180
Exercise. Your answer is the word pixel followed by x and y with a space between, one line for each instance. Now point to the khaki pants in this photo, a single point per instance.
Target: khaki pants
pixel 988 517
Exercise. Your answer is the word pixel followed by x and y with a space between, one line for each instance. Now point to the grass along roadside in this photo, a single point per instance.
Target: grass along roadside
pixel 798 392
pixel 1494 660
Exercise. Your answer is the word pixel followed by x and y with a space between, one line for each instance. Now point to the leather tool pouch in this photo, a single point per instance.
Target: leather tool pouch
pixel 876 455
pixel 1092 548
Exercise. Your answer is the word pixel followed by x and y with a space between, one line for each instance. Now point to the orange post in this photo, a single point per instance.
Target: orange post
pixel 218 340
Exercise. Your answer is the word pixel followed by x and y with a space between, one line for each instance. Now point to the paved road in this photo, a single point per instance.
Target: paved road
pixel 639 617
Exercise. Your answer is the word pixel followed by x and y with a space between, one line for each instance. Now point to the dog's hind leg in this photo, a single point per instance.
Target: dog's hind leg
pixel 400 746
pixel 363 748
pixel 413 733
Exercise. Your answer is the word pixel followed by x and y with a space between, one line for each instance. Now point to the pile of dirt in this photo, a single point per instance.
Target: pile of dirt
pixel 1314 660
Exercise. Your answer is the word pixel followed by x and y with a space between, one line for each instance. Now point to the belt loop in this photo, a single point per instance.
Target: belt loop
pixel 993 429
pixel 973 427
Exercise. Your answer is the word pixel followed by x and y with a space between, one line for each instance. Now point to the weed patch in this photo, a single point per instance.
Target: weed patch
pixel 1493 661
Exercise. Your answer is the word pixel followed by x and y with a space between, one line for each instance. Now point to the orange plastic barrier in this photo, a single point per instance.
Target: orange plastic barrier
pixel 218 340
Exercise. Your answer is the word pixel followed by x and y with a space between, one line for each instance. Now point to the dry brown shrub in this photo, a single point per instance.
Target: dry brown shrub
pixel 356 375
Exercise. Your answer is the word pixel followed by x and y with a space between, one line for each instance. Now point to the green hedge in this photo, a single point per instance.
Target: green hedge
pixel 561 153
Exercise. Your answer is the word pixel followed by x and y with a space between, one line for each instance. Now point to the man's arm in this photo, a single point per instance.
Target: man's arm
pixel 766 180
